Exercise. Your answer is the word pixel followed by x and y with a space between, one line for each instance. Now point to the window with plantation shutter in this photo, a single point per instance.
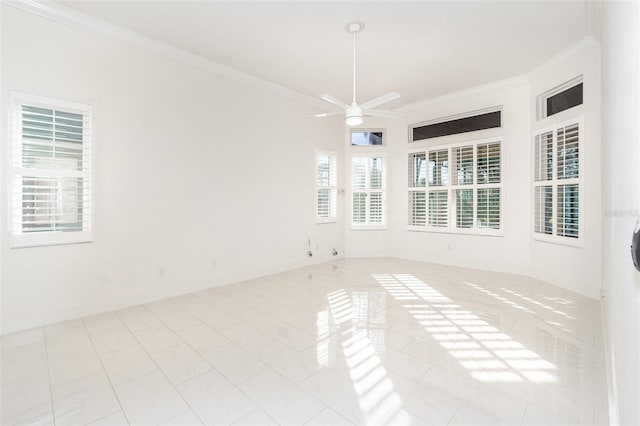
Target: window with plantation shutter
pixel 457 188
pixel 50 181
pixel 417 189
pixel 557 163
pixel 326 186
pixel 368 191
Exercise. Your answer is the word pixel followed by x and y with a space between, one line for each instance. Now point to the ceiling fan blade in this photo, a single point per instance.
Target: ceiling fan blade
pixel 382 113
pixel 327 114
pixel 335 101
pixel 380 100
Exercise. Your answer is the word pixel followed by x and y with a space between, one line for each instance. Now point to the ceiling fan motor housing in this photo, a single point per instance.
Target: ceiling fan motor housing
pixel 354 115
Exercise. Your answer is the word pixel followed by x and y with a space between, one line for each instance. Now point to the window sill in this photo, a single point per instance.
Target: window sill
pixel 453 231
pixel 49 239
pixel 561 241
pixel 326 220
pixel 368 228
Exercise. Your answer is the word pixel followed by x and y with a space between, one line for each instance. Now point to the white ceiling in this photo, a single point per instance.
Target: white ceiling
pixel 419 49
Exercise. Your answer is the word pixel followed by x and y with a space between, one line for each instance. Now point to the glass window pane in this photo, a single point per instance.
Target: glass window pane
pixel 488 211
pixel 323 170
pixel 417 170
pixel 464 208
pixel 461 125
pixel 375 208
pixel 568 152
pixel 543 210
pixel 52 204
pixel 544 157
pixel 439 168
pixel 568 211
pixel 417 208
pixel 438 211
pixel 565 100
pixel 376 172
pixel 359 138
pixel 359 208
pixel 463 159
pixel 489 163
pixel 359 173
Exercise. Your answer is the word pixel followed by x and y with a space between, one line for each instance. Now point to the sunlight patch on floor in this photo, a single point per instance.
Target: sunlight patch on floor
pixel 485 351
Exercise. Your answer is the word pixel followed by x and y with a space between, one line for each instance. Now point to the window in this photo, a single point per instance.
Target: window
pixel 557 212
pixel 368 192
pixel 470 122
pixel 561 98
pixel 50 183
pixel 326 186
pixel 367 137
pixel 456 188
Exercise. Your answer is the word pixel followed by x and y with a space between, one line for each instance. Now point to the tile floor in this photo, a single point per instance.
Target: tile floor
pixel 358 341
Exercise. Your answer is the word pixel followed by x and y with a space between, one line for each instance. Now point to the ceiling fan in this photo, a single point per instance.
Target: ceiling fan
pixel 354 112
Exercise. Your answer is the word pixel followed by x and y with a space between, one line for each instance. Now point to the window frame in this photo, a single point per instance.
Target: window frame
pixel 368 190
pixel 332 187
pixel 363 130
pixel 451 227
pixel 464 115
pixel 18 239
pixel 541 99
pixel 554 183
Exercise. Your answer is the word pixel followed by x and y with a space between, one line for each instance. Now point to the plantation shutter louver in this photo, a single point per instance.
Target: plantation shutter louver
pixel 464 189
pixel 462 165
pixel 464 208
pixel 359 187
pixel 438 211
pixel 368 191
pixel 51 171
pixel 544 210
pixel 557 181
pixel 417 208
pixel 326 184
pixel 417 166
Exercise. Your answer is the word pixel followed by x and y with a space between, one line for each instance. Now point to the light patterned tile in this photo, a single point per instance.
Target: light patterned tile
pixel 202 338
pixel 215 400
pixel 150 399
pixel 157 338
pixel 281 399
pixel 236 364
pixel 180 363
pixel 84 401
pixel 127 364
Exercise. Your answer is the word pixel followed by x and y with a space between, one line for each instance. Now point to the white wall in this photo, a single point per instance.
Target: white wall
pixel 577 269
pixel 506 253
pixel 621 197
pixel 192 169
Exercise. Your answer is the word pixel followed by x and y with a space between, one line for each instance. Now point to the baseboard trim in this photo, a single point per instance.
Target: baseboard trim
pixel 610 364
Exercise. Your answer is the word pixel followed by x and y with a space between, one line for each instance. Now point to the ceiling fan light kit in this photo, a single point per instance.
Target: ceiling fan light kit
pixel 355 113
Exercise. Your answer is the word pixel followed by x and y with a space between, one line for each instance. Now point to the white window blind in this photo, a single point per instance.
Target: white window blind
pixel 417 188
pixel 456 188
pixel 50 171
pixel 326 186
pixel 438 208
pixel 368 189
pixel 557 213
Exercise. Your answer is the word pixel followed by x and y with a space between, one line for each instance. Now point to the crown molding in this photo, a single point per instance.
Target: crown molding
pixel 467 93
pixel 85 22
pixel 585 45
